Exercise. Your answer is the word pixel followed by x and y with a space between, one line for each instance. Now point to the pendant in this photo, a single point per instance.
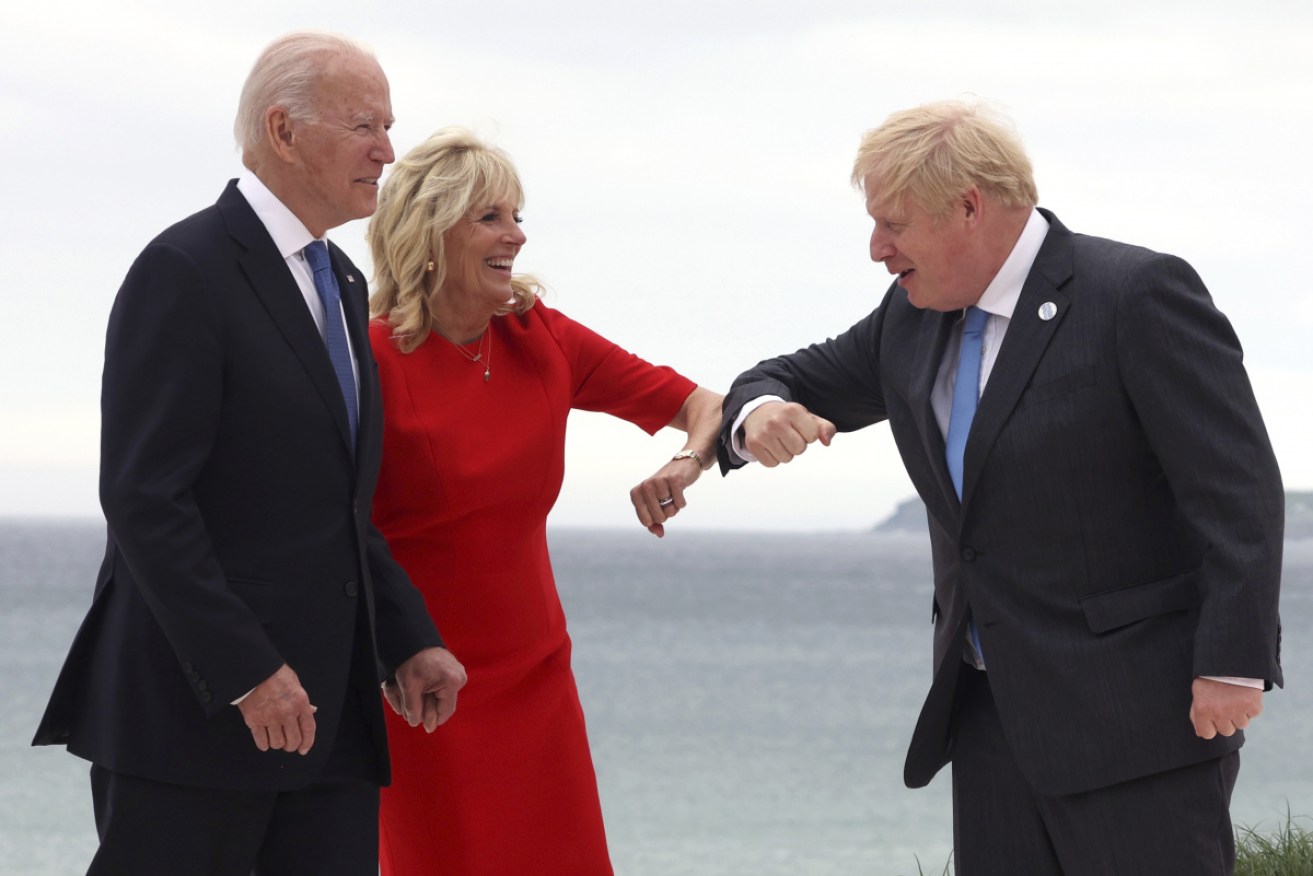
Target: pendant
pixel 487 374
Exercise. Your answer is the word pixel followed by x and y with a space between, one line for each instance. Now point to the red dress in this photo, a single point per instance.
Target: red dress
pixel 470 471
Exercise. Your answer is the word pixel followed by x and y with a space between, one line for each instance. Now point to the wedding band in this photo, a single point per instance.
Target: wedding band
pixel 669 500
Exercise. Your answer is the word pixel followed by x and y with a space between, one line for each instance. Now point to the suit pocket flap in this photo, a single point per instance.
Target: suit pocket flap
pixel 1064 384
pixel 1116 608
pixel 261 597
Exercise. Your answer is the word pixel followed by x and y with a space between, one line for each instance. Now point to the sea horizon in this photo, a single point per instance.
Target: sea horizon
pixel 749 697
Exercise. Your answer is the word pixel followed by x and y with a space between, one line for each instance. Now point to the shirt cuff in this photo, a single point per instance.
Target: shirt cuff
pixel 1256 683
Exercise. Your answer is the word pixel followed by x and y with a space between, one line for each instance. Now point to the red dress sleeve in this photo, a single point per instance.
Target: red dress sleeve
pixel 609 379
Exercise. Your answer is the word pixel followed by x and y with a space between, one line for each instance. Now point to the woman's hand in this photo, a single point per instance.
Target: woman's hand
pixel 660 497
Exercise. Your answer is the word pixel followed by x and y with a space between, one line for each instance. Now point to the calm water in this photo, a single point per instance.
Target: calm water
pixel 749 699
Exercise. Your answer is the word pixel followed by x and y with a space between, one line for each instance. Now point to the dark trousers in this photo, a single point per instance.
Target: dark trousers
pixel 150 828
pixel 1177 822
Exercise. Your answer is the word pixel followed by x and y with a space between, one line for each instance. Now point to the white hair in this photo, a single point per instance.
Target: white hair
pixel 285 75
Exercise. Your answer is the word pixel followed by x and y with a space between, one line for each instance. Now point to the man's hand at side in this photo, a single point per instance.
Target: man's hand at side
pixel 423 689
pixel 1222 708
pixel 279 714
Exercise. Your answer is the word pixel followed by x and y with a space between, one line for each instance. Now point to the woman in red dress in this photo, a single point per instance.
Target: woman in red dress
pixel 478 378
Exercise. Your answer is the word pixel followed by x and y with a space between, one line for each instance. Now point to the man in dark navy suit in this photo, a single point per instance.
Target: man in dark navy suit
pixel 225 683
pixel 1104 506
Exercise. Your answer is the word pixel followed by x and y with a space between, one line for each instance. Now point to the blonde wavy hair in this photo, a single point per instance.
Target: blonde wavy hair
pixel 435 186
pixel 935 152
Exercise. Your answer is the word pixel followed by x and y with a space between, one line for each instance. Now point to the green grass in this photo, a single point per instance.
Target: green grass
pixel 1287 852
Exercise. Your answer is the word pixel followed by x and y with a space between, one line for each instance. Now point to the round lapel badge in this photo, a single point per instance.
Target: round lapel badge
pixel 1048 310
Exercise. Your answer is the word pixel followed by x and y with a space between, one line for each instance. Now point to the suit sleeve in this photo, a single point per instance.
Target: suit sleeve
pixel 1182 366
pixel 838 379
pixel 402 623
pixel 162 392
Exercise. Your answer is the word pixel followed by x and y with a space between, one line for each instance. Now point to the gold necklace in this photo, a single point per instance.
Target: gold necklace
pixel 482 355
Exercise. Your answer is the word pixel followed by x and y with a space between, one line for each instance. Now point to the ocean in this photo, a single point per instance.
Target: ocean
pixel 749 699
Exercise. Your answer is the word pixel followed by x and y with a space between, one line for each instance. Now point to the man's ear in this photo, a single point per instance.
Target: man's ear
pixel 970 204
pixel 279 130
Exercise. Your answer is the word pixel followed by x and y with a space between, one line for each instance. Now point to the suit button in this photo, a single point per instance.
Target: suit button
pixel 351 588
pixel 968 554
pixel 193 676
pixel 202 686
pixel 187 667
pixel 206 696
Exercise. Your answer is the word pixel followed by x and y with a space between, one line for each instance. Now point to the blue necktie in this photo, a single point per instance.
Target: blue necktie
pixel 316 255
pixel 966 394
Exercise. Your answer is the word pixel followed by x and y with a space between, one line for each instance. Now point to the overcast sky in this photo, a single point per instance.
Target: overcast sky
pixel 686 167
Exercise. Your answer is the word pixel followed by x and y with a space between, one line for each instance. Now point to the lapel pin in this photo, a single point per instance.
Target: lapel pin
pixel 350 278
pixel 1048 310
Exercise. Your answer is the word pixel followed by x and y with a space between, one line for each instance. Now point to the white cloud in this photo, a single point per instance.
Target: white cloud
pixel 686 166
pixel 51 434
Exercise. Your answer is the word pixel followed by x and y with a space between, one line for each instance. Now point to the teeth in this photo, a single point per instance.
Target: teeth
pixel 500 263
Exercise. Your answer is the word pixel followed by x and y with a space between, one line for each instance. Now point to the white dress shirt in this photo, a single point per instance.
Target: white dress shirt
pixel 999 300
pixel 291 236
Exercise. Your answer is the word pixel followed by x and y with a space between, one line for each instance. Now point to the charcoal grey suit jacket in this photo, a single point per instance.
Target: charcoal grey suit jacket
pixel 1120 527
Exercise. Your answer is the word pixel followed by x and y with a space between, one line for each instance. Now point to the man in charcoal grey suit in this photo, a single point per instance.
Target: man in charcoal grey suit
pixel 1104 506
pixel 225 683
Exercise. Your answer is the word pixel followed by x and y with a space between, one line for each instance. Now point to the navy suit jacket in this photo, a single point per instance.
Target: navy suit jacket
pixel 1121 521
pixel 239 520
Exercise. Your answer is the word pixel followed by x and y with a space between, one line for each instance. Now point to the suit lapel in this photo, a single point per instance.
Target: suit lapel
pixel 929 356
pixel 355 305
pixel 277 290
pixel 1028 335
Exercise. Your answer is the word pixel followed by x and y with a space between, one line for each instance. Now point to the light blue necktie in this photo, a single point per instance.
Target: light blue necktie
pixel 339 353
pixel 966 395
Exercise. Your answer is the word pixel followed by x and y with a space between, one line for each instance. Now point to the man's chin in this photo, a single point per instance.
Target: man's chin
pixel 913 298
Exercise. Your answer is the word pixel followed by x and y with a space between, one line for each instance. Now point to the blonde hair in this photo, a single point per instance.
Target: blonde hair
pixel 935 152
pixel 433 187
pixel 286 75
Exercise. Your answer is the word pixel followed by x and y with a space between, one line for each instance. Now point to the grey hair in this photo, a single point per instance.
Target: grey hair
pixel 285 75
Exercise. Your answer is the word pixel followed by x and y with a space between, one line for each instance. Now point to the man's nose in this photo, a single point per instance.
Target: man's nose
pixel 383 151
pixel 880 247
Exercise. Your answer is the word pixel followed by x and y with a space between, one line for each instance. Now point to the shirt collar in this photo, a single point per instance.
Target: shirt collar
pixel 289 234
pixel 1003 292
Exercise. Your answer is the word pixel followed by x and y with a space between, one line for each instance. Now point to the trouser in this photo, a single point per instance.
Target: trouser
pixel 150 828
pixel 1176 822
